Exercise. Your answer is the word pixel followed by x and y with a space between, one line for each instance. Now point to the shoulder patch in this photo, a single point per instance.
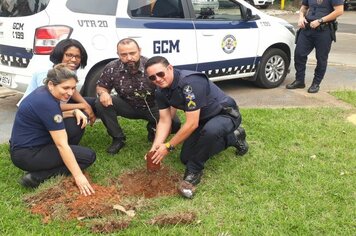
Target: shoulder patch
pixel 58 118
pixel 187 89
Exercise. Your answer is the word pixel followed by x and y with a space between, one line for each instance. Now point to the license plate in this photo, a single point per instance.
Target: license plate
pixel 5 79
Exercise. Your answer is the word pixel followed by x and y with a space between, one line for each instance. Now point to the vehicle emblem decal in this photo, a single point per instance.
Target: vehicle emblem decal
pixel 228 44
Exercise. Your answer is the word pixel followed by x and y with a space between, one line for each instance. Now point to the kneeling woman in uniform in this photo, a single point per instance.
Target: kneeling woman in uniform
pixel 39 142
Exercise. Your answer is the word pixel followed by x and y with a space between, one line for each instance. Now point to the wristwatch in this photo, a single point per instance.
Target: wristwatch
pixel 169 147
pixel 320 20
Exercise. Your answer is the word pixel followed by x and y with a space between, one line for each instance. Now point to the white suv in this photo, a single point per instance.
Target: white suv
pixel 232 41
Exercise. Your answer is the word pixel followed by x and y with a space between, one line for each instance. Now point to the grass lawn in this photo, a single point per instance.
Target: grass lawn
pixel 297 179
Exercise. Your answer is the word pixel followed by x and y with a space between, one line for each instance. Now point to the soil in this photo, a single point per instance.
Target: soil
pixel 64 202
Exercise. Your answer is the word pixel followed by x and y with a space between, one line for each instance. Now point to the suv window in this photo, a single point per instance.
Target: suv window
pixel 102 7
pixel 158 8
pixel 217 10
pixel 11 8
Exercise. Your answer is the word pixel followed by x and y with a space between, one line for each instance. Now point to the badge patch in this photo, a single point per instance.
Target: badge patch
pixel 187 89
pixel 190 103
pixel 228 44
pixel 58 118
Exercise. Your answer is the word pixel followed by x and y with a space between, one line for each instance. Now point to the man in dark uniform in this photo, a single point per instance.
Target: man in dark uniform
pixel 135 94
pixel 317 30
pixel 212 118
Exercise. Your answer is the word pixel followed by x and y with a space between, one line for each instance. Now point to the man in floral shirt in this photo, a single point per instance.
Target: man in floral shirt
pixel 135 94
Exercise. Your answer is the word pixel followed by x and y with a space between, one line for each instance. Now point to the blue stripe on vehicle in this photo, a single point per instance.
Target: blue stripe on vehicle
pixel 181 24
pixel 153 24
pixel 15 52
pixel 226 67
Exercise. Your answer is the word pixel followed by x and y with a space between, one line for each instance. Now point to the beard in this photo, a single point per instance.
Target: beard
pixel 132 67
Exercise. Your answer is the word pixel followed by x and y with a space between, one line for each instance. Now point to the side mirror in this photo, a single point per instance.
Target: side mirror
pixel 249 16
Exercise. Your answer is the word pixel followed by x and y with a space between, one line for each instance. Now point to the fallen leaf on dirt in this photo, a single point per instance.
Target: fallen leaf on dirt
pixel 130 213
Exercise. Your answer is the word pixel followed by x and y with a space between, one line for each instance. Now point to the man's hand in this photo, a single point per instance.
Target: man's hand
pixel 160 152
pixel 105 99
pixel 301 22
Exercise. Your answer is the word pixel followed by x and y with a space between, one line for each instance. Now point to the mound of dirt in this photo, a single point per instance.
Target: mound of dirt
pixel 150 184
pixel 64 202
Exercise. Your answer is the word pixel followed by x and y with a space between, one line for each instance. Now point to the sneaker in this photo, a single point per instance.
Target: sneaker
pixel 193 178
pixel 29 181
pixel 186 189
pixel 115 146
pixel 241 144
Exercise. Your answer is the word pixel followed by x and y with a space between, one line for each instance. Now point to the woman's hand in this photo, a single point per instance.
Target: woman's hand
pixel 84 185
pixel 87 109
pixel 81 118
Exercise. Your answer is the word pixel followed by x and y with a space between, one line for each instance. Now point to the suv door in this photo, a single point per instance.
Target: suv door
pixel 227 44
pixel 18 22
pixel 161 28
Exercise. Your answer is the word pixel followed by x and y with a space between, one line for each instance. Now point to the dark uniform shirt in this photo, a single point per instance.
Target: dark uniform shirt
pixel 38 114
pixel 133 88
pixel 191 91
pixel 320 8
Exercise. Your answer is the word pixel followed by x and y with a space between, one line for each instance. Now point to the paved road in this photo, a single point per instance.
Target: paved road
pixel 341 75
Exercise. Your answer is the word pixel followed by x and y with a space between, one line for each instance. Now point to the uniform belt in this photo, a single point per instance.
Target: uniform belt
pixel 321 27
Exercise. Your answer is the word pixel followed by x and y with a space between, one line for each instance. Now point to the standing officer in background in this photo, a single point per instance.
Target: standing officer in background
pixel 135 94
pixel 212 118
pixel 317 30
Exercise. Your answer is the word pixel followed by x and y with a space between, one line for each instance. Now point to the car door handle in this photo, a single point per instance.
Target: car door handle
pixel 207 34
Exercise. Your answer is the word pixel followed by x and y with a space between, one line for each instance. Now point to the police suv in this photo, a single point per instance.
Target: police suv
pixel 229 39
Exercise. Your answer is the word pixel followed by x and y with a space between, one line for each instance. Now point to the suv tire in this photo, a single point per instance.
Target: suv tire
pixel 90 84
pixel 273 68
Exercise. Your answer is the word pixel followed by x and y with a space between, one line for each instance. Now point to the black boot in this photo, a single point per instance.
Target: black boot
pixel 314 88
pixel 241 144
pixel 296 84
pixel 115 146
pixel 29 181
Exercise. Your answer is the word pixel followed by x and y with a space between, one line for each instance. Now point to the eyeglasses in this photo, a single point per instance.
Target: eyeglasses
pixel 160 74
pixel 69 55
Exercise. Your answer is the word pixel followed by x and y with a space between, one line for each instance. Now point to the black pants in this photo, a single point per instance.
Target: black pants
pixel 308 40
pixel 74 131
pixel 121 108
pixel 209 139
pixel 45 162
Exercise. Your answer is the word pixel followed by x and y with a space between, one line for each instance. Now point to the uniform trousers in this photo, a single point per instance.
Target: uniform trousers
pixel 121 108
pixel 308 40
pixel 210 138
pixel 45 162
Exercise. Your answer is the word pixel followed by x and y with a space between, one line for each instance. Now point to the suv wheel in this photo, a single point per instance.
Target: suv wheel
pixel 273 68
pixel 90 85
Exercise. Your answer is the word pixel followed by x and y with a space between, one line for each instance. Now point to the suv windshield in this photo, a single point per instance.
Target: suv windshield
pixel 16 8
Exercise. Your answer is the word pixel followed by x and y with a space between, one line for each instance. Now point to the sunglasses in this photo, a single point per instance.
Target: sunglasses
pixel 160 74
